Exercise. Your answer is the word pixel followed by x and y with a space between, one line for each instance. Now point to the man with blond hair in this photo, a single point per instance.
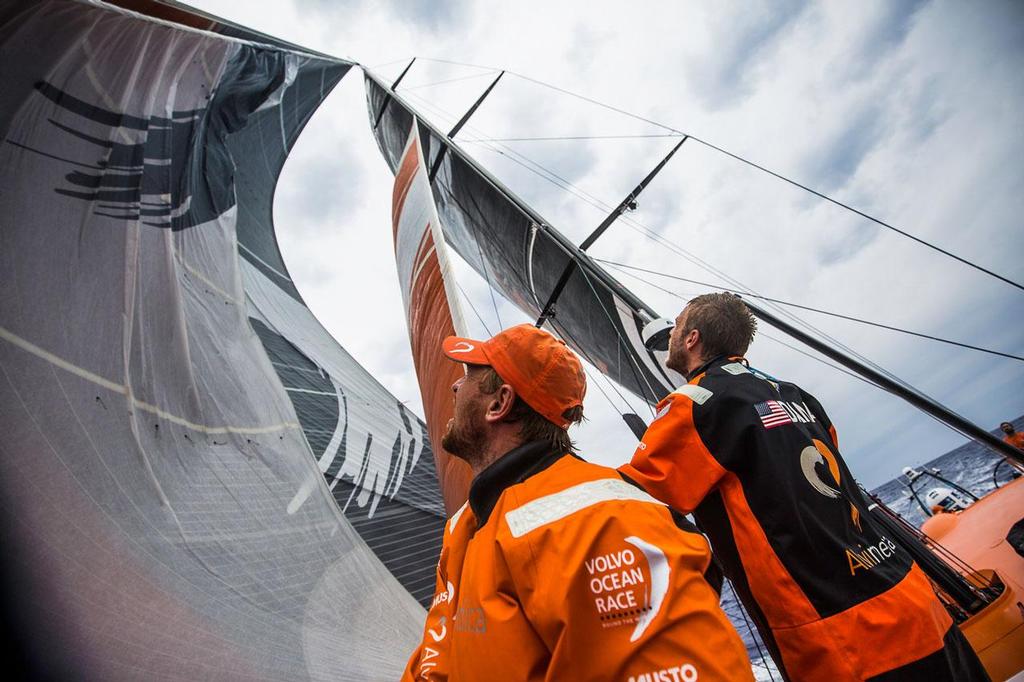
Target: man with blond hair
pixel 757 461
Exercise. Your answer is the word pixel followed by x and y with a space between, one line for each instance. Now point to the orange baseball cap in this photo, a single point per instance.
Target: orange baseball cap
pixel 541 369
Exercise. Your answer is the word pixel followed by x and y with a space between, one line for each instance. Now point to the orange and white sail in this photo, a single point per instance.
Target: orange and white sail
pixel 431 308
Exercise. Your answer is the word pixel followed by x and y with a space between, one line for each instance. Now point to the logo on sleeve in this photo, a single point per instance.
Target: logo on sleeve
pixel 774 413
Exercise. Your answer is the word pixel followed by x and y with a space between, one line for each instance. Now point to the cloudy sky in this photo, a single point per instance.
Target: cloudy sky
pixel 909 111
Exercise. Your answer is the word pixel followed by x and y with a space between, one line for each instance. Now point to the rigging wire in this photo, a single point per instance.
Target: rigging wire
pixel 753 635
pixel 447 80
pixel 397 61
pixel 862 214
pixel 565 333
pixel 692 258
pixel 763 334
pixel 577 137
pixel 761 168
pixel 546 174
pixel 454 63
pixel 622 266
pixel 582 351
pixel 636 370
pixel 696 260
pixel 801 351
pixel 487 278
pixel 472 307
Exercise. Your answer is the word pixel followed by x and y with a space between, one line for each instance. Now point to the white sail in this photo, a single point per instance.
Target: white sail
pixel 165 517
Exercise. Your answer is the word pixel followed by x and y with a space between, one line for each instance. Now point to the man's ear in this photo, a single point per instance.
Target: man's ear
pixel 692 339
pixel 500 404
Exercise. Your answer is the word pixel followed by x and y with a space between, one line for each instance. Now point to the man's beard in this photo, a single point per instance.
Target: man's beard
pixel 677 360
pixel 467 442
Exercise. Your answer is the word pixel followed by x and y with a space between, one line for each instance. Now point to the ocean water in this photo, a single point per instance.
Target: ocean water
pixel 971 466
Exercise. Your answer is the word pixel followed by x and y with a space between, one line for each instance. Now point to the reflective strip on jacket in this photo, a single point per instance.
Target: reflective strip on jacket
pixel 557 569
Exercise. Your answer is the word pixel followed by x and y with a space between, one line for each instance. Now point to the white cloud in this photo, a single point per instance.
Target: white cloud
pixel 910 112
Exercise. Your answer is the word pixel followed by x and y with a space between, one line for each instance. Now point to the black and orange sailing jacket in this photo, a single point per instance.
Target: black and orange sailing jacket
pixel 557 569
pixel 757 462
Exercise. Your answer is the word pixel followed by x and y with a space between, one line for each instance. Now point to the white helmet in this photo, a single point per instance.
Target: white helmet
pixel 946 499
pixel 656 332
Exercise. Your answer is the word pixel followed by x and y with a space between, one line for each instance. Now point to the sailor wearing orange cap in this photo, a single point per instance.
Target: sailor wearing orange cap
pixel 557 569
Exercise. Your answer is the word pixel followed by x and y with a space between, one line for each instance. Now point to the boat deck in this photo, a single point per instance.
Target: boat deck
pixel 978 534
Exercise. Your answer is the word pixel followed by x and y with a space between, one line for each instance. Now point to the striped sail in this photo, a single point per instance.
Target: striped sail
pixel 431 307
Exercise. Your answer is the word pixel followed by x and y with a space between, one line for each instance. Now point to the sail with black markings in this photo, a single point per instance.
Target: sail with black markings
pixel 197 481
pixel 523 256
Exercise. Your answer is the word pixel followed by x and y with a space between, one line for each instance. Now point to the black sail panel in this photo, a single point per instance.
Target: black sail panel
pixel 523 256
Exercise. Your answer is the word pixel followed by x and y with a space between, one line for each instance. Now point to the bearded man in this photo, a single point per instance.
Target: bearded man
pixel 555 568
pixel 1012 435
pixel 757 461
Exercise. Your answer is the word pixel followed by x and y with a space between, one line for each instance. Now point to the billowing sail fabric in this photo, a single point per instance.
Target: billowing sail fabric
pixel 523 257
pixel 373 451
pixel 431 307
pixel 163 516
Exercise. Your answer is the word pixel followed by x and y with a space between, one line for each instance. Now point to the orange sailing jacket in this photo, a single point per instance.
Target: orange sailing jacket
pixel 757 462
pixel 557 569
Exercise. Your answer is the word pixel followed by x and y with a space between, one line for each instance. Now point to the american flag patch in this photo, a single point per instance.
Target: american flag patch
pixel 772 414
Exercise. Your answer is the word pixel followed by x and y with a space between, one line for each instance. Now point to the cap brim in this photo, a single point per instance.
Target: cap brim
pixel 465 350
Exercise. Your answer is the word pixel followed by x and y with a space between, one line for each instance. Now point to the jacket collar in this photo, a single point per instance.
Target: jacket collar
pixel 715 362
pixel 515 466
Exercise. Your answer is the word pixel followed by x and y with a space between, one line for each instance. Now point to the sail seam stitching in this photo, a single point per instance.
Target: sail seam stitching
pixel 83 373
